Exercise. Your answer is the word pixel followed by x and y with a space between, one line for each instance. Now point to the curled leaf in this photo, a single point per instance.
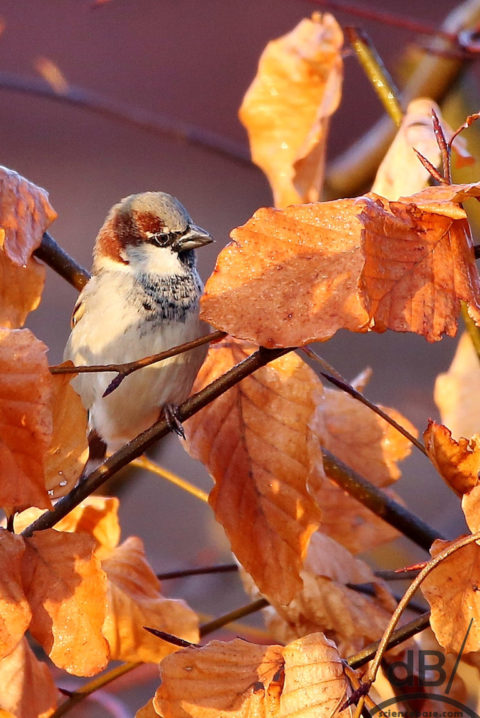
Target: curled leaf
pixel 457 462
pixel 287 108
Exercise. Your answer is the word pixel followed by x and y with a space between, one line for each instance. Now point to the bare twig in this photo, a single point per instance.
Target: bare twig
pixel 233 616
pixel 61 262
pixel 377 501
pixel 198 571
pixel 136 447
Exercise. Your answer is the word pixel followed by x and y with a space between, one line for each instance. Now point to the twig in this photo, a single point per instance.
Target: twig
pixel 158 124
pixel 382 646
pixel 335 378
pixel 61 262
pixel 377 501
pixel 200 571
pixel 400 575
pixel 136 447
pixel 233 616
pixel 145 463
pixel 376 72
pixel 170 638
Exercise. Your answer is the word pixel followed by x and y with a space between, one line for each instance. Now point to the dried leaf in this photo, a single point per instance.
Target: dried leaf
pixel 400 172
pixel 25 215
pixel 452 590
pixel 287 108
pixel 66 590
pixel 135 601
pixel 68 450
pixel 20 290
pixel 25 415
pixel 457 391
pixel 457 462
pixel 298 275
pixel 147 711
pixel 255 442
pixel 471 508
pixel 14 609
pixel 304 679
pixel 98 517
pixel 327 603
pixel 28 690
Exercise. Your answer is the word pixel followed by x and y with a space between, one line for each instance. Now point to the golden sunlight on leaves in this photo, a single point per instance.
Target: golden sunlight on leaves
pixel 304 679
pixel 134 601
pixel 25 415
pixel 27 687
pixel 98 517
pixel 457 391
pixel 400 172
pixel 67 453
pixel 365 264
pixel 14 609
pixel 452 590
pixel 457 462
pixel 66 589
pixel 255 442
pixel 288 106
pixel 326 603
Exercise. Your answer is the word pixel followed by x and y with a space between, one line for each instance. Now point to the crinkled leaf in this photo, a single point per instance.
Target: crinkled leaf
pixel 27 687
pixel 452 590
pixel 14 609
pixel 304 679
pixel 287 108
pixel 471 508
pixel 135 601
pixel 458 462
pixel 25 420
pixel 66 589
pixel 20 290
pixel 68 449
pixel 255 442
pixel 457 391
pixel 298 275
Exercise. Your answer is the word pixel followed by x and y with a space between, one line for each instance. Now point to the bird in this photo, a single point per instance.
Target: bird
pixel 142 298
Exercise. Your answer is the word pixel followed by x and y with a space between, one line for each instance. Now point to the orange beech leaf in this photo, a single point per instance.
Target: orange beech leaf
pixel 326 603
pixel 98 517
pixel 457 392
pixel 458 462
pixel 400 172
pixel 451 589
pixel 255 442
pixel 147 711
pixel 68 450
pixel 287 108
pixel 471 508
pixel 14 609
pixel 66 589
pixel 27 687
pixel 20 290
pixel 25 418
pixel 365 264
pixel 304 679
pixel 369 445
pixel 135 601
pixel 25 214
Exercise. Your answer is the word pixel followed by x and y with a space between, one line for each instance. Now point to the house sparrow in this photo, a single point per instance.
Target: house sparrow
pixel 142 298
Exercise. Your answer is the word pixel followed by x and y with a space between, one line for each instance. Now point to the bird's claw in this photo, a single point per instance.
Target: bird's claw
pixel 170 412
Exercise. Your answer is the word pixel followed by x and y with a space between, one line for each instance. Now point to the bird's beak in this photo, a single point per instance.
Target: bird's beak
pixel 194 237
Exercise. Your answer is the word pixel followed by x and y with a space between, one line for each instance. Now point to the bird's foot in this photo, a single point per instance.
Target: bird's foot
pixel 170 412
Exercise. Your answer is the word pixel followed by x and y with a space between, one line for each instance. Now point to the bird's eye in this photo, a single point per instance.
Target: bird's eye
pixel 165 239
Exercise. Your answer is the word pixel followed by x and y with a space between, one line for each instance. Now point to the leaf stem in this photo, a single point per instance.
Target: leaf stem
pixel 377 501
pixel 143 462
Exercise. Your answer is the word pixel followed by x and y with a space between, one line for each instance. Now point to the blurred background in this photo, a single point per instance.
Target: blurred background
pixel 191 62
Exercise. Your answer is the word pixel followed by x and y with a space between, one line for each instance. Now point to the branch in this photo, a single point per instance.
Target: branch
pixel 158 124
pixel 61 262
pixel 136 447
pixel 377 501
pixel 234 615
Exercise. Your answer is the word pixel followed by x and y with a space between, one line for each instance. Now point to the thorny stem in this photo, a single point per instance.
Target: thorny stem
pixel 161 428
pixel 144 462
pixel 451 549
pixel 334 377
pixel 377 501
pixel 376 72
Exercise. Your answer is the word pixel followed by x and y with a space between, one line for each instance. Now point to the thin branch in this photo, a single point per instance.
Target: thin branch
pixel 335 378
pixel 246 610
pixel 144 462
pixel 156 123
pixel 399 575
pixel 200 571
pixel 376 72
pixel 61 262
pixel 170 638
pixel 377 501
pixel 161 428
